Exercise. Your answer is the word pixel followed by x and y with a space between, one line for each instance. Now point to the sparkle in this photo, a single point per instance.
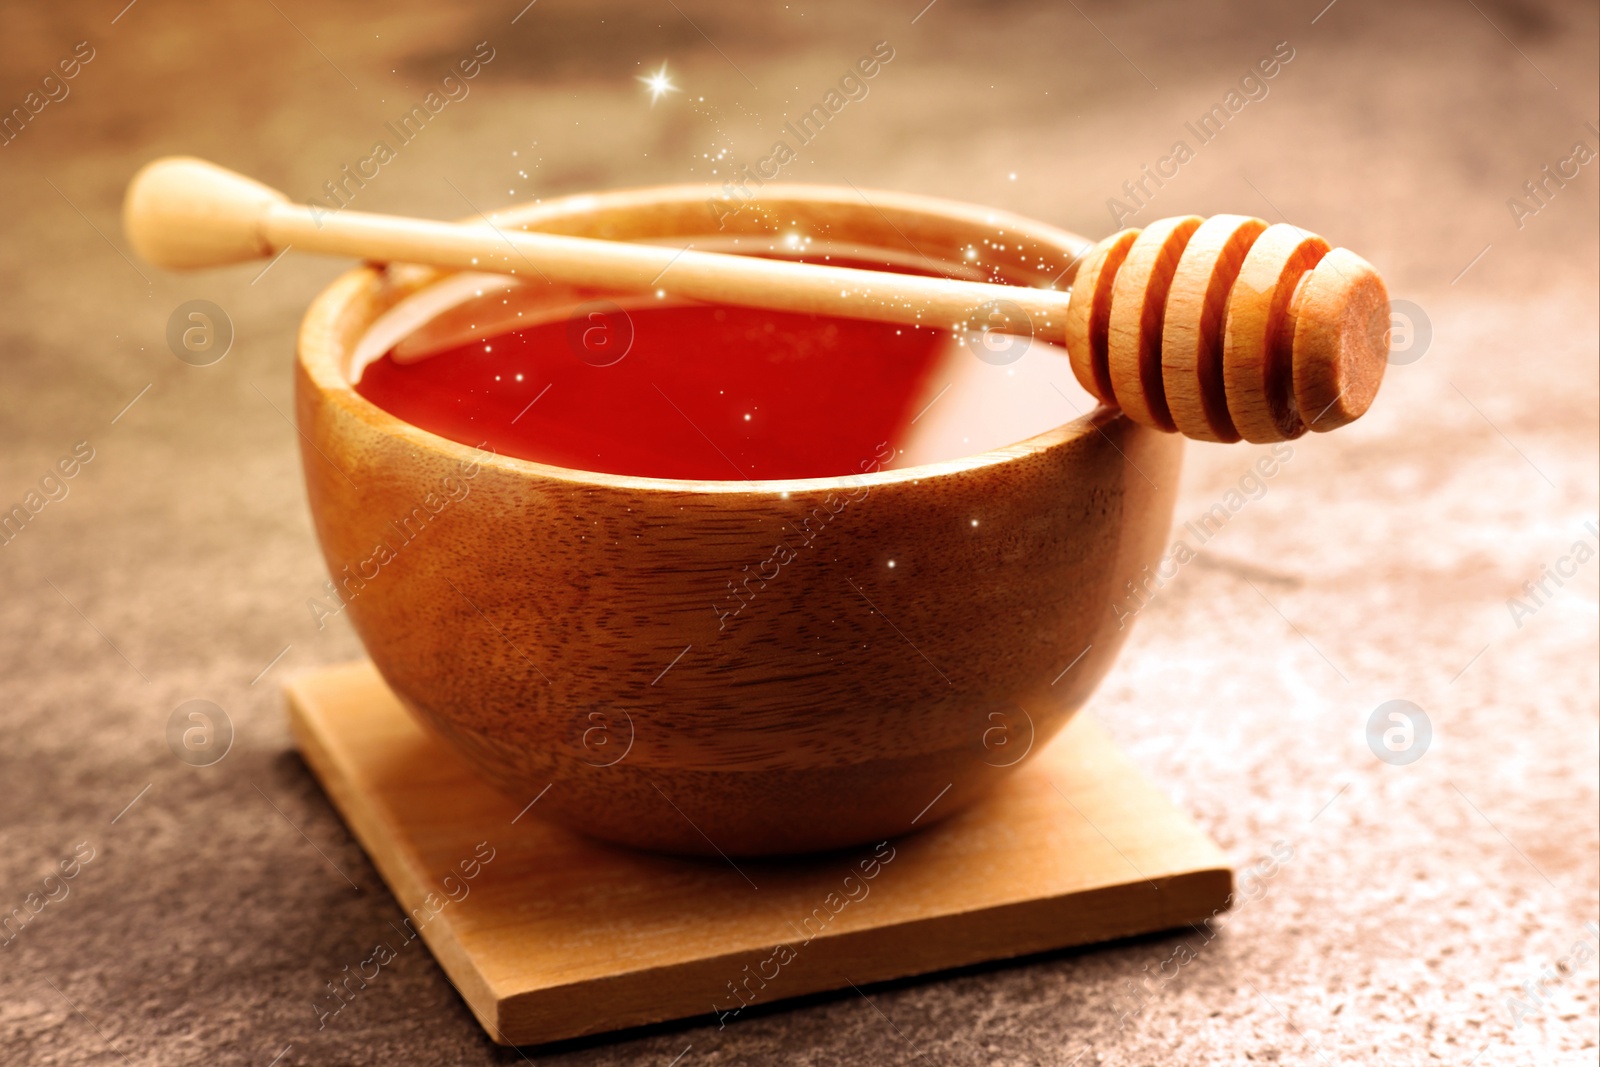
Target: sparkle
pixel 658 84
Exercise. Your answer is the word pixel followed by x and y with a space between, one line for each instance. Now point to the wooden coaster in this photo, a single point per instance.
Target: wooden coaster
pixel 549 935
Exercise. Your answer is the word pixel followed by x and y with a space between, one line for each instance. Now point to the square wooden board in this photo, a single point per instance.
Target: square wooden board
pixel 557 936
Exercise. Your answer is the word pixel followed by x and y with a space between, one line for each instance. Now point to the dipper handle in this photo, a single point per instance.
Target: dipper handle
pixel 185 213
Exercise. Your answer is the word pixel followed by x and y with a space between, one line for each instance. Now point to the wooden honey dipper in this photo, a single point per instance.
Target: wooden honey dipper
pixel 1226 327
pixel 1218 329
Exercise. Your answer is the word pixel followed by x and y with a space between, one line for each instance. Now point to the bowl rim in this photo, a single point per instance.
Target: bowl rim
pixel 325 339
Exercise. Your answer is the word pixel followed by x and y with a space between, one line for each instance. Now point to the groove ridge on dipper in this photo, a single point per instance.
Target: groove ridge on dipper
pixel 1228 328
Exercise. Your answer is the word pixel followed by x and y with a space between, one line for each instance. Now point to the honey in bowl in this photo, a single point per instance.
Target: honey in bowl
pixel 653 387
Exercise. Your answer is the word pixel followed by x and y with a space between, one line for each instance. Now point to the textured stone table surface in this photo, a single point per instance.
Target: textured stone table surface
pixel 1377 565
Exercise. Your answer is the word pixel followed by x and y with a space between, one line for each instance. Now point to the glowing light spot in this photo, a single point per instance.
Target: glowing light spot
pixel 659 84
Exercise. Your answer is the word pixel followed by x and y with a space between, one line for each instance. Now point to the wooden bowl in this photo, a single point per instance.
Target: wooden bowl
pixel 558 626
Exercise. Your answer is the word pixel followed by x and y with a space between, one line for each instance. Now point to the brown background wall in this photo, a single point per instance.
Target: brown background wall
pixel 1378 565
